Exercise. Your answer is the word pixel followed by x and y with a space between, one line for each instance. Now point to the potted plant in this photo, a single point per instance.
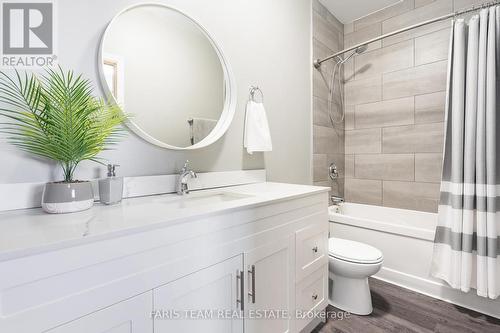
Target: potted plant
pixel 55 116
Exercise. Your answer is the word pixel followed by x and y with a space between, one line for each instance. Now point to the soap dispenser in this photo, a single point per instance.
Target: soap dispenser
pixel 111 188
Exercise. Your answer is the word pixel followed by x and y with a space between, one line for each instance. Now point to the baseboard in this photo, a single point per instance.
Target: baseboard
pixel 440 291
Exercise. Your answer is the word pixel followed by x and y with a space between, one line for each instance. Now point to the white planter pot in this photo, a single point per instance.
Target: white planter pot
pixel 60 198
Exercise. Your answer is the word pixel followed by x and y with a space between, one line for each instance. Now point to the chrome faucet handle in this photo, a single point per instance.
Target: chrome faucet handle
pixel 336 200
pixel 185 167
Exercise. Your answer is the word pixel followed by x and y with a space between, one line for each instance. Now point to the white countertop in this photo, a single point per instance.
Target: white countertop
pixel 31 231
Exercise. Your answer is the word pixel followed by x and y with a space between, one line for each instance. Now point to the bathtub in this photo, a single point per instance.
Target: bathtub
pixel 405 238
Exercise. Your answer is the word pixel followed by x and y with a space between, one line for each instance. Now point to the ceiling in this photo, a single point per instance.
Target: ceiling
pixel 349 10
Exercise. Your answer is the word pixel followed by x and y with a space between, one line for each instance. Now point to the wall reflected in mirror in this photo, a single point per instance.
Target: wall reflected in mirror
pixel 164 71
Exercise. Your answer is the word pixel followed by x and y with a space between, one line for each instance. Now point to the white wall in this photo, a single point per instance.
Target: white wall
pixel 267 44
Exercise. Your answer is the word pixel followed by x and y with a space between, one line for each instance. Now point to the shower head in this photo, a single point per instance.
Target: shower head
pixel 361 49
pixel 357 51
pixel 338 57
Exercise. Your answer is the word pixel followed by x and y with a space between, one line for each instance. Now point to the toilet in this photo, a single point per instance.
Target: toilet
pixel 350 265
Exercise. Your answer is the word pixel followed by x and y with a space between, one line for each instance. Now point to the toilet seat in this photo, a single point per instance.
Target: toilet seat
pixel 352 251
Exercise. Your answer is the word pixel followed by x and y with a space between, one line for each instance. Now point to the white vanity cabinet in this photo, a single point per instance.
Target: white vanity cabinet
pixel 265 254
pixel 129 316
pixel 269 287
pixel 204 301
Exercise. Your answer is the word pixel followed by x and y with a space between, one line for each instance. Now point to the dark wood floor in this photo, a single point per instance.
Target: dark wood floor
pixel 397 309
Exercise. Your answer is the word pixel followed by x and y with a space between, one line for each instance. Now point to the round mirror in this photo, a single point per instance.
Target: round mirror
pixel 165 70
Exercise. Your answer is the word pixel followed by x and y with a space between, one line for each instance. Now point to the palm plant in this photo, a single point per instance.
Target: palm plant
pixel 56 116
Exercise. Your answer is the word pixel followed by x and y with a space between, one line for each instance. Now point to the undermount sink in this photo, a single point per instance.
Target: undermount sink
pixel 200 199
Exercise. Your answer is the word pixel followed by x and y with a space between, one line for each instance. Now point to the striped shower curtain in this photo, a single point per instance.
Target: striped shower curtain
pixel 467 241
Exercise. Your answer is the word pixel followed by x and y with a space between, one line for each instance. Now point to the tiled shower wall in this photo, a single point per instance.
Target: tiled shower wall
pixel 395 97
pixel 328 138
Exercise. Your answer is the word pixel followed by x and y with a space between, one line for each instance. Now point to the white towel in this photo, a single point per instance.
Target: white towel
pixel 200 128
pixel 257 134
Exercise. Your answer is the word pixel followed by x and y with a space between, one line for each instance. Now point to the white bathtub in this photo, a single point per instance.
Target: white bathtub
pixel 405 238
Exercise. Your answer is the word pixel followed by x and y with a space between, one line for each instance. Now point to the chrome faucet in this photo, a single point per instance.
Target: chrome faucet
pixel 182 185
pixel 336 200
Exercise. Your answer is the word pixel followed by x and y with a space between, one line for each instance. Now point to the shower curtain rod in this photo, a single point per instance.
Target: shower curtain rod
pixel 318 62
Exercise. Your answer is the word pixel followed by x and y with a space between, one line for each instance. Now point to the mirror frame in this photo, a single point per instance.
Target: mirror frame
pixel 230 98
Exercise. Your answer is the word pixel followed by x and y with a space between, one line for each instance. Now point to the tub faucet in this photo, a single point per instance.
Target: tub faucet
pixel 336 200
pixel 185 173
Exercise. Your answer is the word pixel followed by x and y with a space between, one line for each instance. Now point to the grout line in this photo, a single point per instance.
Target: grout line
pixel 324 45
pixel 383 9
pixel 381 140
pixel 439 91
pixel 382 193
pixel 414 167
pixel 397 70
pixel 414 42
pixel 395 126
pixel 414 110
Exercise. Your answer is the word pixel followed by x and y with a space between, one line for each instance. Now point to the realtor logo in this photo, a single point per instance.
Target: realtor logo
pixel 28 34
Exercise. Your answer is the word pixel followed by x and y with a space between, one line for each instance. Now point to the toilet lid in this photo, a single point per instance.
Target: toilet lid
pixel 353 251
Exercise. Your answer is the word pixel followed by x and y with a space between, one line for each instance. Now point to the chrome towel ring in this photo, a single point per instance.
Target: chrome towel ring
pixel 253 90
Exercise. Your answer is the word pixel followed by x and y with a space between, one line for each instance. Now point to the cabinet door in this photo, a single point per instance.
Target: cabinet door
pixel 130 316
pixel 268 282
pixel 205 301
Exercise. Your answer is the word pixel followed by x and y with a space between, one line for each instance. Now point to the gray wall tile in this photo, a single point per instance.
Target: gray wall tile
pixel 320 50
pixel 385 166
pixel 349 166
pixel 363 91
pixel 348 28
pixel 411 195
pixel 320 168
pixel 414 33
pixel 428 167
pixel 320 112
pixel 463 4
pixel 361 35
pixel 320 84
pixel 384 14
pixel 325 32
pixel 366 141
pixel 321 76
pixel 349 117
pixel 420 3
pixel 432 10
pixel 327 140
pixel 339 161
pixel 421 13
pixel 415 81
pixel 423 138
pixel 395 96
pixel 349 70
pixel 429 108
pixel 386 113
pixel 363 191
pixel 388 59
pixel 432 47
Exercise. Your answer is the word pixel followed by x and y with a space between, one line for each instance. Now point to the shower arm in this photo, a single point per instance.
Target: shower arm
pixel 318 62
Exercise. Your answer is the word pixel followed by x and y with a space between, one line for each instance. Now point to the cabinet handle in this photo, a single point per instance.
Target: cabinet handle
pixel 315 296
pixel 315 249
pixel 252 293
pixel 239 289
